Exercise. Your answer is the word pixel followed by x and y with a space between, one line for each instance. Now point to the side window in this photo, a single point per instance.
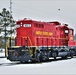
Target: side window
pixel 42 26
pixel 38 25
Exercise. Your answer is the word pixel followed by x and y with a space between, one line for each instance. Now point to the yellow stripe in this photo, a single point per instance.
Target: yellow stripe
pixel 29 39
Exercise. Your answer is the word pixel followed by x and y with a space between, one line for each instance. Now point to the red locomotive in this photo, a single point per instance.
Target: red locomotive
pixel 38 41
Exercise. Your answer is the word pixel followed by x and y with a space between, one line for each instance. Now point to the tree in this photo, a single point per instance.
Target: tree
pixel 7 23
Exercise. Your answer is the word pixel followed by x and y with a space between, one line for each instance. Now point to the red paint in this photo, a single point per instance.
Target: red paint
pixel 43 34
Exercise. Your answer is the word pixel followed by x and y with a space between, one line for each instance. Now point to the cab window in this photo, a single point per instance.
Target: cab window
pixel 66 31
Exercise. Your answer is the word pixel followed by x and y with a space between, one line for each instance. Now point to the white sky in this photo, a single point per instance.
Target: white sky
pixel 43 10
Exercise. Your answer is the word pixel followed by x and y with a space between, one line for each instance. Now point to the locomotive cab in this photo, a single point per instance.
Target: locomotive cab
pixel 24 29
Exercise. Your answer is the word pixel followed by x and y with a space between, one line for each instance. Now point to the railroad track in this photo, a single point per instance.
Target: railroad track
pixel 9 64
pixel 17 63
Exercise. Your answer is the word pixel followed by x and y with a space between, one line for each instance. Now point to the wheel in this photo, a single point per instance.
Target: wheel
pixel 54 54
pixel 38 57
pixel 45 56
pixel 22 62
pixel 54 58
pixel 64 57
pixel 71 55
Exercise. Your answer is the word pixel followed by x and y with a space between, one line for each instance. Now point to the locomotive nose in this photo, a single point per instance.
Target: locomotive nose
pixel 21 54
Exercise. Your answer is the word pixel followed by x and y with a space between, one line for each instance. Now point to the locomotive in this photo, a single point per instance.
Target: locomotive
pixel 39 41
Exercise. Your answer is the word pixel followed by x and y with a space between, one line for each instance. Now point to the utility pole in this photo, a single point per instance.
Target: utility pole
pixel 11 6
pixel 10 21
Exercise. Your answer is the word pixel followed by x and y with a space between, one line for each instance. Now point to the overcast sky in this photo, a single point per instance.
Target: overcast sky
pixel 43 10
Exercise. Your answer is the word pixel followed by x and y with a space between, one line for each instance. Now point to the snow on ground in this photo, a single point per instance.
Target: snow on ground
pixel 58 67
pixel 2 54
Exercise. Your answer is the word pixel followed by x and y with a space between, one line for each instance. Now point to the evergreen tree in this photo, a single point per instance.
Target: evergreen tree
pixel 7 23
pixel 7 26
